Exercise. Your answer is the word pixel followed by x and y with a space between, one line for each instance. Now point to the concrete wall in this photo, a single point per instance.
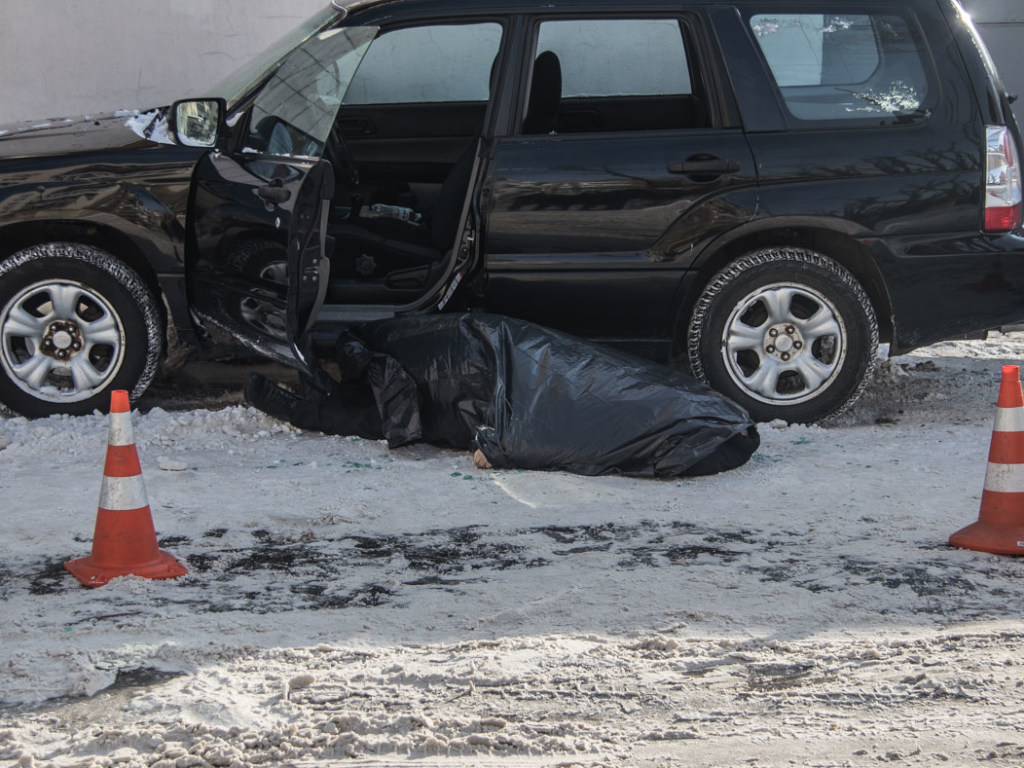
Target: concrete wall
pixel 73 57
pixel 63 58
pixel 1001 24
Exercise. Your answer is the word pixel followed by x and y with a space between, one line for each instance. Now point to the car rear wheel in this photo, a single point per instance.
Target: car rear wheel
pixel 75 324
pixel 785 332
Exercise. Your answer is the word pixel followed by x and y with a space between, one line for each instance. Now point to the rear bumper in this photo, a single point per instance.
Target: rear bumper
pixel 942 288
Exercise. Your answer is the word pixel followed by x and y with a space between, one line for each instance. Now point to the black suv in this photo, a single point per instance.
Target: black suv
pixel 760 191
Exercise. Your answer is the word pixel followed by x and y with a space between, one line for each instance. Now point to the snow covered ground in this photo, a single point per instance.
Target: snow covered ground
pixel 351 605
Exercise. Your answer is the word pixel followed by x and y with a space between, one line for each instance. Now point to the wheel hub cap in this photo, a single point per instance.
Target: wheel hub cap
pixel 62 341
pixel 783 342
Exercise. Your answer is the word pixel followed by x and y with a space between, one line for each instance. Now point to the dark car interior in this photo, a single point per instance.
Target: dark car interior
pixel 392 230
pixel 420 158
pixel 416 158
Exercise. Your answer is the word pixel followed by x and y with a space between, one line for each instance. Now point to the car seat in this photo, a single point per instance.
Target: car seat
pixel 398 257
pixel 545 94
pixel 402 255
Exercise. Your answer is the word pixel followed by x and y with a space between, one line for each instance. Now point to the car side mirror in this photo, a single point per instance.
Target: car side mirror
pixel 196 122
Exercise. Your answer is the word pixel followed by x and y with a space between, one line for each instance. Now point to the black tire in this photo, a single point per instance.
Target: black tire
pixel 785 332
pixel 75 324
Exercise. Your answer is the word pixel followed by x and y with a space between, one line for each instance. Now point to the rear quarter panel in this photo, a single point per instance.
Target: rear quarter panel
pixel 911 194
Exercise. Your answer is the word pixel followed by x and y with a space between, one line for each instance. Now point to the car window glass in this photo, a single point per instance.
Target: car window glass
pixel 418 65
pixel 611 75
pixel 844 66
pixel 618 57
pixel 294 112
pixel 245 78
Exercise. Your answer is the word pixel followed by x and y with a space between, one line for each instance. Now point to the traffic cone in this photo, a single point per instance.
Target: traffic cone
pixel 1000 526
pixel 125 541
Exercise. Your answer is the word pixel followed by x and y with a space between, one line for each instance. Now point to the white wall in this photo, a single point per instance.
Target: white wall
pixel 1001 24
pixel 63 58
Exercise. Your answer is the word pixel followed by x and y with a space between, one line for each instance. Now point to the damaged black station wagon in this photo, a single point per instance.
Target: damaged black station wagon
pixel 758 191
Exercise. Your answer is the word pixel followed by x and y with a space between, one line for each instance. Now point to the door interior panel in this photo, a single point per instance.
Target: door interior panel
pixel 404 152
pixel 631 113
pixel 425 138
pixel 411 121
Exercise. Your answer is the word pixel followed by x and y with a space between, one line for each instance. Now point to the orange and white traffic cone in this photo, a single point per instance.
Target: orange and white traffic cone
pixel 125 540
pixel 1000 526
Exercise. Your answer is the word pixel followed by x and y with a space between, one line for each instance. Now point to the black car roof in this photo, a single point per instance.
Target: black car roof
pixel 416 7
pixel 382 11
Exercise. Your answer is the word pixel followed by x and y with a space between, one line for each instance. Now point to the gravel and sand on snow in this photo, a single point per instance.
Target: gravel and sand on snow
pixel 351 605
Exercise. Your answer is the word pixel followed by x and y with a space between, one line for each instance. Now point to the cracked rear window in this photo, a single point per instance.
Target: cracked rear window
pixel 833 66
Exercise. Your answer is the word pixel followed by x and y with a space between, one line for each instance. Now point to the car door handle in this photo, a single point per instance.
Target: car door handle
pixel 274 193
pixel 357 126
pixel 704 166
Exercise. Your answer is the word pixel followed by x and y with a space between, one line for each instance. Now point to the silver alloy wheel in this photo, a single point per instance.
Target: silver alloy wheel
pixel 60 341
pixel 785 343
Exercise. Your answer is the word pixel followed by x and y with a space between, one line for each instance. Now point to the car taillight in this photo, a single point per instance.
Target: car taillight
pixel 1002 181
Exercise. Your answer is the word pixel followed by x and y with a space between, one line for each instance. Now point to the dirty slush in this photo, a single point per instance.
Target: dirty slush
pixel 347 603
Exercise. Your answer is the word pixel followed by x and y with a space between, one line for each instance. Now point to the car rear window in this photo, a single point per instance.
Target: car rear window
pixel 840 66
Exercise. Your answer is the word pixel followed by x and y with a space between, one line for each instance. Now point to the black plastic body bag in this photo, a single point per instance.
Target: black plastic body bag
pixel 529 398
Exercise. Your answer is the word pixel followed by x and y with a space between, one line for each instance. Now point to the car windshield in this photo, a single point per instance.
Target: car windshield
pixel 294 111
pixel 245 78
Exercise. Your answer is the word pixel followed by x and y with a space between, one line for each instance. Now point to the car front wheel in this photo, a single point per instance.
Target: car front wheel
pixel 785 332
pixel 75 324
